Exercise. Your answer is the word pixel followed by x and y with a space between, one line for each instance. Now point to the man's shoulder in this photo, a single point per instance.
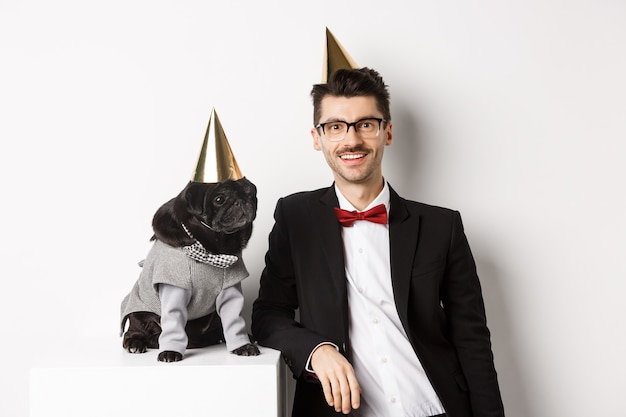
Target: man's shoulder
pixel 299 204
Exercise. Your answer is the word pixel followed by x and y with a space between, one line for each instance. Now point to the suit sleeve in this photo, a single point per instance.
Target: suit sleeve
pixel 464 306
pixel 274 311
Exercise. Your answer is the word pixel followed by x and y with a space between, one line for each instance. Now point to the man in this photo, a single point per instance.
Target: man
pixel 391 316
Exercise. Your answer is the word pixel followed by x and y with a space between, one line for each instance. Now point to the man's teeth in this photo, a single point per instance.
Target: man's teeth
pixel 352 156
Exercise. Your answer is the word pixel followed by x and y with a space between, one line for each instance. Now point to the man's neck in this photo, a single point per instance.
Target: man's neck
pixel 362 194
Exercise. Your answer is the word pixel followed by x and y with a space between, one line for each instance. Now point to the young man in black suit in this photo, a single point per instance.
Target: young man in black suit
pixel 391 316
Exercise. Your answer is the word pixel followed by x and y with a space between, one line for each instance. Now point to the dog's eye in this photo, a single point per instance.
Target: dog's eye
pixel 219 200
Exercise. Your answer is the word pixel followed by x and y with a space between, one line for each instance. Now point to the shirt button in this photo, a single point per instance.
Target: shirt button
pixel 360 290
pixel 393 400
pixel 375 321
pixel 384 360
pixel 360 250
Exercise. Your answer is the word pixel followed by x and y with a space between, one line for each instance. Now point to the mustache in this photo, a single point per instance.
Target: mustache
pixel 353 150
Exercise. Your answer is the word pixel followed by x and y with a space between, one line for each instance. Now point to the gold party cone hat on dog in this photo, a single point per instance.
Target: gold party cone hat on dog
pixel 335 57
pixel 216 162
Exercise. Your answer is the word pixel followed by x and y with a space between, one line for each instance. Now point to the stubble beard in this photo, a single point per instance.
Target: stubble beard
pixel 354 175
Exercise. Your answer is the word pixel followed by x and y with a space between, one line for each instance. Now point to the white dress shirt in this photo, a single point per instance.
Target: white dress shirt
pixel 391 376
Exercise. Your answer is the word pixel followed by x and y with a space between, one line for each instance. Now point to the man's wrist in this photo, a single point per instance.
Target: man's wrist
pixel 308 367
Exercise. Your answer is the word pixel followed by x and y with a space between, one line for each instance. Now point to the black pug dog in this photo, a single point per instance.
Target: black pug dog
pixel 189 292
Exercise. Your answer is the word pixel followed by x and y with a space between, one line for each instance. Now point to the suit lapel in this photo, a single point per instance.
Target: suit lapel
pixel 403 233
pixel 330 237
pixel 330 240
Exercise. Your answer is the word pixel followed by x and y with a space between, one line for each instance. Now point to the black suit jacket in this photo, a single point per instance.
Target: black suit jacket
pixel 435 285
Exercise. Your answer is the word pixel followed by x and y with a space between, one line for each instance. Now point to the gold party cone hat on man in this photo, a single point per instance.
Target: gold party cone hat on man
pixel 335 57
pixel 216 162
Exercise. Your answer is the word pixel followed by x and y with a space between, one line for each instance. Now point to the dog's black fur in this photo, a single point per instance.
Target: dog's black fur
pixel 219 216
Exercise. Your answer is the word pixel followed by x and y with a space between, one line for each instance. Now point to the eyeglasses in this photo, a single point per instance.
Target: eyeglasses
pixel 336 131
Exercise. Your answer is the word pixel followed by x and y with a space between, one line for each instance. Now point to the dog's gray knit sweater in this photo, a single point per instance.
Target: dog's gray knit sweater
pixel 206 287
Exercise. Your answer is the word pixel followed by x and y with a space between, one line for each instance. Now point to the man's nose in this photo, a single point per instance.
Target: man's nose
pixel 352 135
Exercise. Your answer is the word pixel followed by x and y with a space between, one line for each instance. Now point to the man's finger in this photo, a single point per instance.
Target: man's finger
pixel 338 400
pixel 345 391
pixel 355 391
pixel 326 388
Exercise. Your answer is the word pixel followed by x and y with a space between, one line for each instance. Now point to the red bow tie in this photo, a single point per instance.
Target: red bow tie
pixel 376 214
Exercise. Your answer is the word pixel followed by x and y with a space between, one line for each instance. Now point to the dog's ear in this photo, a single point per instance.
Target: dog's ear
pixel 248 187
pixel 194 197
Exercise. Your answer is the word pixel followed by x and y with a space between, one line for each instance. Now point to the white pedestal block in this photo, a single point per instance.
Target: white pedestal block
pixel 108 381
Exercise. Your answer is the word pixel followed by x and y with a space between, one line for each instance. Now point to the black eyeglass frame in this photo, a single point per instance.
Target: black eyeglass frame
pixel 353 124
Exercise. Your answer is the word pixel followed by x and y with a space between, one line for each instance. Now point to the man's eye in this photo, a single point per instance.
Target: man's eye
pixel 335 126
pixel 368 124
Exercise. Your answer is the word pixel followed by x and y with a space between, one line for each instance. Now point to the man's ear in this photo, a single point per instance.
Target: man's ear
pixel 316 139
pixel 388 134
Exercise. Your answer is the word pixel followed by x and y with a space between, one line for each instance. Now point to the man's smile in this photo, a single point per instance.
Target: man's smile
pixel 352 156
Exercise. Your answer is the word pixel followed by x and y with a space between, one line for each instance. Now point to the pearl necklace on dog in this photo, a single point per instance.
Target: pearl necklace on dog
pixel 198 253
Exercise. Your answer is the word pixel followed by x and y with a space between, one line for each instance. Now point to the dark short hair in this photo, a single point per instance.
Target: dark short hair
pixel 352 83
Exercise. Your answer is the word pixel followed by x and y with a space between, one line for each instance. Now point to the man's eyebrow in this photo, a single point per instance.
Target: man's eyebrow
pixel 343 120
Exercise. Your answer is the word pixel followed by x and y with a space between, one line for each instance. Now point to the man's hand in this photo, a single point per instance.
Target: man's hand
pixel 341 388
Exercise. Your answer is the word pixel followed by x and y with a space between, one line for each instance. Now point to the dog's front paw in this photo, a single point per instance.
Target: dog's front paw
pixel 247 350
pixel 135 345
pixel 170 356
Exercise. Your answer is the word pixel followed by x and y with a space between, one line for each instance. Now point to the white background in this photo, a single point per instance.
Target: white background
pixel 513 112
